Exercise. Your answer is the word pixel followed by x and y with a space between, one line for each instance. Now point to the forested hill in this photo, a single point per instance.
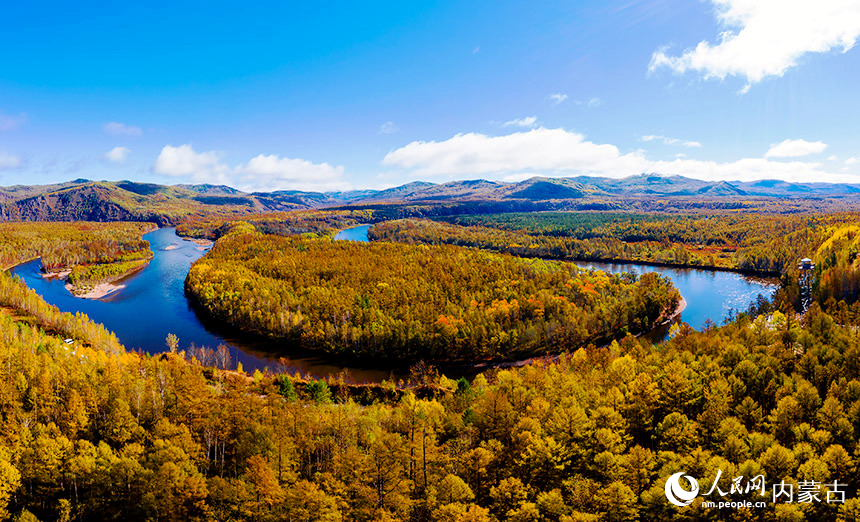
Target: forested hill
pixel 83 199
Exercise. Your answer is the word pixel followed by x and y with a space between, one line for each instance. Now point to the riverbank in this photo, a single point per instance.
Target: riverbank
pixel 546 359
pixel 202 244
pixel 682 305
pixel 102 289
pixel 19 263
pixel 763 274
pixel 62 274
pixel 93 291
pixel 97 291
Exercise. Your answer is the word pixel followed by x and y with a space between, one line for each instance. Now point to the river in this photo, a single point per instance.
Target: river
pixel 153 304
pixel 710 294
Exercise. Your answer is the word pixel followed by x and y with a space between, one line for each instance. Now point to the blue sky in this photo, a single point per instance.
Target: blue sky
pixel 373 94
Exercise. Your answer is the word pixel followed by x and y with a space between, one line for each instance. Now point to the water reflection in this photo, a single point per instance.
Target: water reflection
pixel 710 294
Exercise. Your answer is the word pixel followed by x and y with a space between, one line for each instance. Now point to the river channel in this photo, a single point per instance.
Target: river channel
pixel 153 304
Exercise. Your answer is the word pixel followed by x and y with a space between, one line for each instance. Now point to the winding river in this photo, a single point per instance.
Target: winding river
pixel 153 304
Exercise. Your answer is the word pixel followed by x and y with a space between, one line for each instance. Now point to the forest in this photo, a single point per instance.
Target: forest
pixel 319 222
pixel 91 431
pixel 763 243
pixel 389 300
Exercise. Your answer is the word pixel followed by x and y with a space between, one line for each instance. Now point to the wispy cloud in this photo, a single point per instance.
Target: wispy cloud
pixel 120 129
pixel 764 38
pixel 594 102
pixel 388 128
pixel 528 121
pixel 558 97
pixel 8 122
pixel 671 141
pixel 8 161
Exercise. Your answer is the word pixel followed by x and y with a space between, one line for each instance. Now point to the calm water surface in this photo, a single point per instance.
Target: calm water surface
pixel 358 233
pixel 710 294
pixel 153 304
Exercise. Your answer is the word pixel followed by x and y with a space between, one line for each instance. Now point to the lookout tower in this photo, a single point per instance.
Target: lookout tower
pixel 805 280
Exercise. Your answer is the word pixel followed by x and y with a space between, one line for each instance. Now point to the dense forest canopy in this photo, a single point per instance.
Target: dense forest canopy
pixel 65 245
pixel 413 302
pixel 321 222
pixel 751 242
pixel 89 431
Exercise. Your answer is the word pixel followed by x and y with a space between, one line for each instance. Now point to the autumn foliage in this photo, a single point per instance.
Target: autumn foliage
pixel 412 302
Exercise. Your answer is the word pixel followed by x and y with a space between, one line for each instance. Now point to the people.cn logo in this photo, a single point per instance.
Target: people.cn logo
pixel 678 495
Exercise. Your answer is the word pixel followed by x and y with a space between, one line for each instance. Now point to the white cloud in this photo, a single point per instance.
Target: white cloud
pixel 561 152
pixel 671 141
pixel 519 176
pixel 538 149
pixel 117 154
pixel 120 129
pixel 261 173
pixel 182 161
pixel 795 149
pixel 558 97
pixel 11 122
pixel 763 38
pixel 851 161
pixel 266 173
pixel 528 121
pixel 388 128
pixel 8 161
pixel 750 169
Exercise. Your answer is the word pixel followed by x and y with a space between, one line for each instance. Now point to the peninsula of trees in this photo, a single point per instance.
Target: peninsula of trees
pixel 418 302
pixel 86 254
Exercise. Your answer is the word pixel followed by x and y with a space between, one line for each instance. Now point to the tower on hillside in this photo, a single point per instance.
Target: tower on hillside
pixel 805 280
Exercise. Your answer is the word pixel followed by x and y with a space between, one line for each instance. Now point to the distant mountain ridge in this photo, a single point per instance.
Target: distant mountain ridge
pixel 82 199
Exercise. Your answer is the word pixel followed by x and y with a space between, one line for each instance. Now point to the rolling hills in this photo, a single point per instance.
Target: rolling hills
pixel 85 200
